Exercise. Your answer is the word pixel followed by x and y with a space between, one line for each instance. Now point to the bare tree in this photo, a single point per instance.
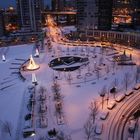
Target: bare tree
pixel 88 68
pixel 58 107
pixel 59 74
pixel 56 87
pixel 85 78
pixel 68 49
pixel 115 82
pixel 130 56
pixel 98 74
pixel 106 51
pixel 6 127
pixel 102 94
pixel 93 110
pixel 69 78
pixel 107 69
pixel 137 74
pixel 124 53
pixel 88 129
pixel 126 80
pixel 101 60
pixel 114 65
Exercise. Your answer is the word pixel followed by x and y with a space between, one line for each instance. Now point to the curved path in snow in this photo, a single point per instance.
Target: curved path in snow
pixel 119 119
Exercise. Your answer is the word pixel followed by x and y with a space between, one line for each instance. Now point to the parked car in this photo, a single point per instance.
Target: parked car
pixel 111 105
pixel 113 89
pixel 28 132
pixel 120 98
pixel 137 86
pixel 98 128
pixel 129 92
pixel 103 115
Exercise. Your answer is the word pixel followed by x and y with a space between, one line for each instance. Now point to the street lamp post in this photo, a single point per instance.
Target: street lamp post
pixel 94 65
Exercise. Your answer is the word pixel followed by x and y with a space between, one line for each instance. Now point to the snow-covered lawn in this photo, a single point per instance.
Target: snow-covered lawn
pixel 77 93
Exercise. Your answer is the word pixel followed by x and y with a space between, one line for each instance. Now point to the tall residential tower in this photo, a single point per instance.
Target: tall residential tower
pixel 94 14
pixel 29 12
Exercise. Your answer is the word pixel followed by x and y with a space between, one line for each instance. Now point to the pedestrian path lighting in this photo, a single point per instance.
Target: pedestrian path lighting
pixel 36 53
pixel 34 79
pixel 3 58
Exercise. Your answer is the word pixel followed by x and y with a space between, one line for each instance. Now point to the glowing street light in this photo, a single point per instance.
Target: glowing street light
pixel 36 53
pixel 34 79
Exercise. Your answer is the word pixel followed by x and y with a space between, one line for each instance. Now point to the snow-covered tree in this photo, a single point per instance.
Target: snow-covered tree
pixel 79 71
pixel 56 87
pixel 69 78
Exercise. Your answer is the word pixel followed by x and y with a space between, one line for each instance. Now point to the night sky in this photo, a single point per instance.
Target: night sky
pixel 6 3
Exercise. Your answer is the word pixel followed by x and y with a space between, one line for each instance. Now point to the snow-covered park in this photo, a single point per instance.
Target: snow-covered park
pixel 60 104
